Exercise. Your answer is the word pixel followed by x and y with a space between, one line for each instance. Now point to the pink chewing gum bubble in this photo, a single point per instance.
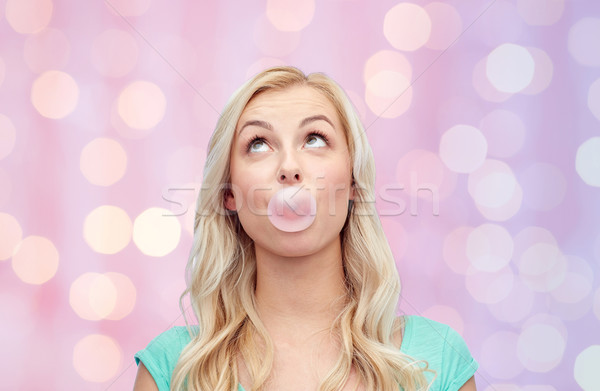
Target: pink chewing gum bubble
pixel 292 209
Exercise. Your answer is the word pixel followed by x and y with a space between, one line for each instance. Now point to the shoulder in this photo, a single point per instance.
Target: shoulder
pixel 444 350
pixel 161 354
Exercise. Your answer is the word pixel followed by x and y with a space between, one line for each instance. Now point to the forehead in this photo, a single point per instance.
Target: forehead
pixel 300 100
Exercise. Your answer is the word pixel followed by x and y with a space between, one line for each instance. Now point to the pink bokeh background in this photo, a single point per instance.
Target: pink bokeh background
pixel 484 121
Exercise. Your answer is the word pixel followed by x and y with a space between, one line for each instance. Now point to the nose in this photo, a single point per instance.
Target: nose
pixel 289 171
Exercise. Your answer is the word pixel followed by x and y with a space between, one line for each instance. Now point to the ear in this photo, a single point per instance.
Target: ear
pixel 229 201
pixel 352 189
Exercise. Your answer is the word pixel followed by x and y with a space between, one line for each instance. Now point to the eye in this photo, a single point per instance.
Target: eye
pixel 316 140
pixel 257 144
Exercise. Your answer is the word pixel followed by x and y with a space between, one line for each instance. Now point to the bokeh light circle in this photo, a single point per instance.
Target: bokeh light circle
pixel 141 105
pixel 544 72
pixel 463 148
pixel 540 12
pixel 574 288
pixel 156 232
pixel 96 296
pixel 103 161
pixel 387 60
pixel 593 98
pixel 516 306
pixel 542 267
pixel 587 161
pixel 407 26
pixel 46 50
pixel 35 260
pixel 97 358
pixel 495 190
pixel 510 68
pixel 103 296
pixel 8 136
pixel 501 347
pixel 446 25
pixel 126 296
pixel 573 298
pixel 540 347
pixel 54 94
pixel 586 370
pixel 484 87
pixel 529 237
pixel 11 234
pixel 28 16
pixel 114 53
pixel 92 296
pixel 504 132
pixel 388 94
pixel 455 250
pixel 583 43
pixel 489 247
pixel 544 186
pixel 290 15
pixel 107 229
pixel 489 287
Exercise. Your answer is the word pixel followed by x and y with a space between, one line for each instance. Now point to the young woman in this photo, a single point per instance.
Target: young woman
pixel 291 278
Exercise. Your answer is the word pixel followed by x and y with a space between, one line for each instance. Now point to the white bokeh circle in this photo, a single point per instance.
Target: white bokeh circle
pixel 489 247
pixel 407 26
pixel 510 68
pixel 587 161
pixel 586 370
pixel 583 43
pixel 540 347
pixel 141 105
pixel 156 232
pixel 463 148
pixel 593 98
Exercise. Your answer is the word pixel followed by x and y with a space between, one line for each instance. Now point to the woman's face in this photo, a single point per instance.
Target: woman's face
pixel 290 137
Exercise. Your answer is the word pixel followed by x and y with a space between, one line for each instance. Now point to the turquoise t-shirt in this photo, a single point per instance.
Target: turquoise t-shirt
pixel 424 339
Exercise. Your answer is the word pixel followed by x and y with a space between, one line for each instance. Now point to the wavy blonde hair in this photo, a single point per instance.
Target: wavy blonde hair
pixel 221 271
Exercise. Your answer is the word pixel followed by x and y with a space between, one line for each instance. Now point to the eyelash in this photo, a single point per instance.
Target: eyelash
pixel 320 134
pixel 313 133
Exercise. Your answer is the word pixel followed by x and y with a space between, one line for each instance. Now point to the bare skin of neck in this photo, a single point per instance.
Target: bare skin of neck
pixel 298 300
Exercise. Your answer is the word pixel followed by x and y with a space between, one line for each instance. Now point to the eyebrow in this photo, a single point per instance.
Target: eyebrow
pixel 314 118
pixel 262 124
pixel 305 121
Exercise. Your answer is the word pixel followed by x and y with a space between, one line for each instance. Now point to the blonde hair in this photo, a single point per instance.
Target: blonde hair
pixel 221 271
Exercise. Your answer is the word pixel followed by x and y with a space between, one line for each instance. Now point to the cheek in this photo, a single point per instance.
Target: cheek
pixel 334 198
pixel 250 196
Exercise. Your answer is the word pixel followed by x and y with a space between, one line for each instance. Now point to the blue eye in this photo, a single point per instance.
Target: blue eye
pixel 257 144
pixel 315 140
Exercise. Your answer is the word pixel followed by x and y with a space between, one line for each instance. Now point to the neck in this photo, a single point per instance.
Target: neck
pixel 300 294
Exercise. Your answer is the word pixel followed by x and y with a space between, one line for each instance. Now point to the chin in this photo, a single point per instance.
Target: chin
pixel 298 244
